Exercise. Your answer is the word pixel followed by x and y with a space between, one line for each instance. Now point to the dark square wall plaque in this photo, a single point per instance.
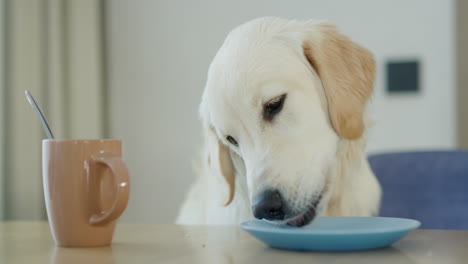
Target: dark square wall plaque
pixel 402 76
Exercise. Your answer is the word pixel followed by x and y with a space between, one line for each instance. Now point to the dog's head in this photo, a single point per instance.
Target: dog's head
pixel 280 95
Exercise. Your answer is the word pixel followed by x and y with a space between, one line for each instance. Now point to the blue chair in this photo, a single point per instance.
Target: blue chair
pixel 431 187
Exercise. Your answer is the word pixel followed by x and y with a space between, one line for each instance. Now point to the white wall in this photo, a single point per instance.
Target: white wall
pixel 160 52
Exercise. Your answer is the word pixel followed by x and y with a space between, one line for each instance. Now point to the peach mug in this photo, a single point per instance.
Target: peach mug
pixel 86 188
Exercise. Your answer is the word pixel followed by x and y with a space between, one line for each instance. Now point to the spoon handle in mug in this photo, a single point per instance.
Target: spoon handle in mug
pixel 39 114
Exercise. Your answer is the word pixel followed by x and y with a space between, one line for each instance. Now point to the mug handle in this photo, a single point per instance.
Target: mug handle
pixel 122 184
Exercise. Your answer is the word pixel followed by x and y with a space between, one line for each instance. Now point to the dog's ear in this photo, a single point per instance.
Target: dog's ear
pixel 219 161
pixel 347 72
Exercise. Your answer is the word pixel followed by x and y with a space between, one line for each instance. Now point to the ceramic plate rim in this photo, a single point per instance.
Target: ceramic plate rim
pixel 411 225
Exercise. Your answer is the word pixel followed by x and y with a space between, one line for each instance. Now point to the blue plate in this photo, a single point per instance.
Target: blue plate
pixel 333 233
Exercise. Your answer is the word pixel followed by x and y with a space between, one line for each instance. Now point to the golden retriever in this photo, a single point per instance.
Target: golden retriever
pixel 284 114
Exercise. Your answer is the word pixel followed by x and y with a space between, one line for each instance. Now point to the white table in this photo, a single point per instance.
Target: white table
pixel 31 242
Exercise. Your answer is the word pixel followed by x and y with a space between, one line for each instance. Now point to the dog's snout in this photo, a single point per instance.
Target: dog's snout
pixel 269 205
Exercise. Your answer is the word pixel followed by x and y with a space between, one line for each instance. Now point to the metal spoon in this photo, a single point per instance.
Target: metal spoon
pixel 39 114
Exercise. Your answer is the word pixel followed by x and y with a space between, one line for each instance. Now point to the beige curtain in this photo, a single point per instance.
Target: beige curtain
pixel 54 48
pixel 2 107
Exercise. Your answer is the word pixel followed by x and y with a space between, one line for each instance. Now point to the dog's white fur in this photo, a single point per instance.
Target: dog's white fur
pixel 314 147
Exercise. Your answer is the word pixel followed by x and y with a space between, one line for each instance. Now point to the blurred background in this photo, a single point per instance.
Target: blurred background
pixel 135 70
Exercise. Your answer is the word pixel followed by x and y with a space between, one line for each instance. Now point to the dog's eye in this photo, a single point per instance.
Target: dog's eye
pixel 232 140
pixel 273 107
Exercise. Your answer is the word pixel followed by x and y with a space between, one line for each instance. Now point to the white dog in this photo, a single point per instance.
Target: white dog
pixel 285 120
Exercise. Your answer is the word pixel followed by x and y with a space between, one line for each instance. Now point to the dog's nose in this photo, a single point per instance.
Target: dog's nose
pixel 268 205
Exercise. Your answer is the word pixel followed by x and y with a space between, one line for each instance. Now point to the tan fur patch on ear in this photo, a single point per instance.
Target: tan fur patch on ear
pixel 227 170
pixel 347 71
pixel 224 166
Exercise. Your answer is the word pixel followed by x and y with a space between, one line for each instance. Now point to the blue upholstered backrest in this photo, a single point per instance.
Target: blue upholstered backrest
pixel 431 187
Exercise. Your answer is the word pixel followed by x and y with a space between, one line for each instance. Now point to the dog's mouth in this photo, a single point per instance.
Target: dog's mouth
pixel 307 216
